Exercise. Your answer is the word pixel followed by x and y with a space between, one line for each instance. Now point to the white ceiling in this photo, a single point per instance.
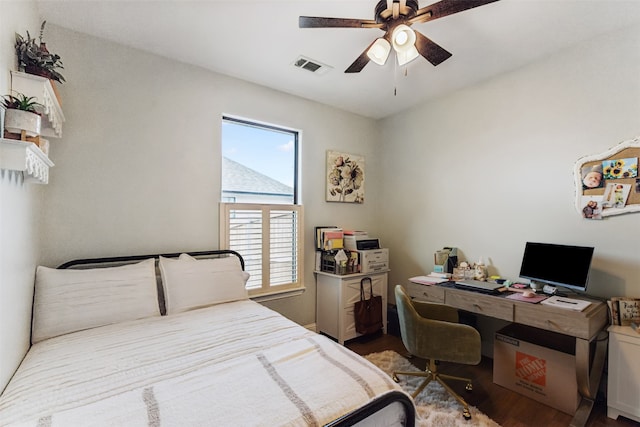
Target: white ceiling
pixel 259 40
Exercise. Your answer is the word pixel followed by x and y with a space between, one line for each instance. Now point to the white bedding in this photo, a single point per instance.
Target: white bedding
pixel 233 364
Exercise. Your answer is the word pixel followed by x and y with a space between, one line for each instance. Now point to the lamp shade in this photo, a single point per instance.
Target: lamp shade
pixel 407 56
pixel 379 51
pixel 404 39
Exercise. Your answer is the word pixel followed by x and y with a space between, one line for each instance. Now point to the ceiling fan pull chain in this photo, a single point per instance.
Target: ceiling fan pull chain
pixel 395 78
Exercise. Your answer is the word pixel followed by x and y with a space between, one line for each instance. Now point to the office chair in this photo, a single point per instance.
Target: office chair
pixel 431 331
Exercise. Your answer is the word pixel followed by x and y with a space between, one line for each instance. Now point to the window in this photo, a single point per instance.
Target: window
pixel 259 214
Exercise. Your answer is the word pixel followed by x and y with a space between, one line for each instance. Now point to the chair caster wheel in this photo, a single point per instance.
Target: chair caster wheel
pixel 469 387
pixel 466 414
pixel 395 378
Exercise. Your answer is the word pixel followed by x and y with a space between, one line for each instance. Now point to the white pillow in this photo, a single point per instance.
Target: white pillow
pixel 66 301
pixel 190 283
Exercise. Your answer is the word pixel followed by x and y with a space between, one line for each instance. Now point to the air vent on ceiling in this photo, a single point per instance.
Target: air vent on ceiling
pixel 312 65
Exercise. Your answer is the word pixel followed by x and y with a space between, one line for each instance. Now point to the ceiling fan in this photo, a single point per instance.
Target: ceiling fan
pixel 395 18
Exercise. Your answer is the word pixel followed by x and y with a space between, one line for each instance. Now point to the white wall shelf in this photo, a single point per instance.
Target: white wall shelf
pixel 42 90
pixel 25 157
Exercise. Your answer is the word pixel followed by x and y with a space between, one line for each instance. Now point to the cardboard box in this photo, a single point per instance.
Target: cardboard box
pixel 538 364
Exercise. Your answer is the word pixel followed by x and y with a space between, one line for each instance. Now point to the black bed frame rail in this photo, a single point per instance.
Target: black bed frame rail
pixel 125 259
pixel 376 405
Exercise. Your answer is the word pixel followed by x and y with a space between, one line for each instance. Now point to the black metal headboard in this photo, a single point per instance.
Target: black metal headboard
pixel 86 262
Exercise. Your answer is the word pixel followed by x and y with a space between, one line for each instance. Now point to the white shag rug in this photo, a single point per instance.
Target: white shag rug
pixel 435 407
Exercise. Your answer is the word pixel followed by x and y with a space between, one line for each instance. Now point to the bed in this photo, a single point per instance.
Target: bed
pixel 173 340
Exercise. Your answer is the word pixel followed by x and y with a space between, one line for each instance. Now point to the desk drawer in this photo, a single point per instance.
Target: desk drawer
pixel 475 302
pixel 580 324
pixel 431 293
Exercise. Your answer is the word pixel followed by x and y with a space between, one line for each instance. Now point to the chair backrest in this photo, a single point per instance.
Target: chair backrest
pixel 436 339
pixel 407 319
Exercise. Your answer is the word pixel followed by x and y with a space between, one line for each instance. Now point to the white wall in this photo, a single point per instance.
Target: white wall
pixel 138 167
pixel 490 167
pixel 19 206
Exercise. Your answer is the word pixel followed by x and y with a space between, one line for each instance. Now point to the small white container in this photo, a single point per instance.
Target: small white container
pixel 15 121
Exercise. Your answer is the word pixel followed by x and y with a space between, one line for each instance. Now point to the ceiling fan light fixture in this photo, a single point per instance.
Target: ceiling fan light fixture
pixel 403 37
pixel 404 40
pixel 379 51
pixel 407 56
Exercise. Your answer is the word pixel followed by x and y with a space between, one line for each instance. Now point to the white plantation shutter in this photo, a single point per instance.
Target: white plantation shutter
pixel 270 239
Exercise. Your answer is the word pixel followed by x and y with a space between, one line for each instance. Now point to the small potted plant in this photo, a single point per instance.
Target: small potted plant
pixel 22 114
pixel 34 58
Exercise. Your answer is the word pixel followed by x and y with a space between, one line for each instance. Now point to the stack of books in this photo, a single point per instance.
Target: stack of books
pixel 350 238
pixel 329 238
pixel 432 279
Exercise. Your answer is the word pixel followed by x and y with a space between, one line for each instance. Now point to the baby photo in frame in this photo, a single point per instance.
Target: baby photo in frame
pixel 592 177
pixel 616 195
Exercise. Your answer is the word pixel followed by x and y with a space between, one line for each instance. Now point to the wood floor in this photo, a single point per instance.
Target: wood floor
pixel 507 408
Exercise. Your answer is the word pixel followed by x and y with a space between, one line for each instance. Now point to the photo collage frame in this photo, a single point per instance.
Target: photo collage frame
pixel 608 183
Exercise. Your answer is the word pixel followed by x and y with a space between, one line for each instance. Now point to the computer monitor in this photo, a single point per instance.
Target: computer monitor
pixel 556 265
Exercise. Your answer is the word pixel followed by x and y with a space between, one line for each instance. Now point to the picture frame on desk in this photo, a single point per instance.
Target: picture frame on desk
pixel 624 310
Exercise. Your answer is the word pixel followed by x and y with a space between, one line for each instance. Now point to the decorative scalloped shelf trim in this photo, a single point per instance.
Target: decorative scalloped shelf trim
pixel 41 88
pixel 27 158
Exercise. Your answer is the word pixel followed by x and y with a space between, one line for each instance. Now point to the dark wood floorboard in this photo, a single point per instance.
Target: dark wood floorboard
pixel 506 407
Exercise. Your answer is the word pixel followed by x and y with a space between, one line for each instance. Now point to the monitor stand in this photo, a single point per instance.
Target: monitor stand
pixel 559 291
pixel 552 290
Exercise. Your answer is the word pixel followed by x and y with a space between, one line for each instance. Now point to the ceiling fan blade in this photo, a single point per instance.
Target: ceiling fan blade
pixel 431 51
pixel 445 8
pixel 318 22
pixel 360 61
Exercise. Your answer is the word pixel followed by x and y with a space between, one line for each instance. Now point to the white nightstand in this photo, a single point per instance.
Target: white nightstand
pixel 336 295
pixel 624 373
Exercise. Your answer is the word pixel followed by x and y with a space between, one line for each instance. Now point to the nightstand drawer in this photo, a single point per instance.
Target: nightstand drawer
pixel 351 288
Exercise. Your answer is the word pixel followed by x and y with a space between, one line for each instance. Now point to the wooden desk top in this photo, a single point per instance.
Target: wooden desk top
pixel 583 324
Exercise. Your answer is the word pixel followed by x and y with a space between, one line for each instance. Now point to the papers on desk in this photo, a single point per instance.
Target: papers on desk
pixel 432 279
pixel 568 303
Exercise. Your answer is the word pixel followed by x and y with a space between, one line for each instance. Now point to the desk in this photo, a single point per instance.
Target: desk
pixel 585 326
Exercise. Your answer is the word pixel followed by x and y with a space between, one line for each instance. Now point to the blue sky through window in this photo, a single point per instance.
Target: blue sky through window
pixel 265 150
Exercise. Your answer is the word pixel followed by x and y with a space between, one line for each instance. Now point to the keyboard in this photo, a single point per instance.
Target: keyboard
pixel 477 285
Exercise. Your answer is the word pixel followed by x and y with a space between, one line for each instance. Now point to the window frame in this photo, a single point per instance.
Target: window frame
pixel 266 290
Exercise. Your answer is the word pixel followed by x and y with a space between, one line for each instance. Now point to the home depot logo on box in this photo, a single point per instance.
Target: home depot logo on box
pixel 532 369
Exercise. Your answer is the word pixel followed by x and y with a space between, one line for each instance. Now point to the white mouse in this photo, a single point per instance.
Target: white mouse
pixel 528 294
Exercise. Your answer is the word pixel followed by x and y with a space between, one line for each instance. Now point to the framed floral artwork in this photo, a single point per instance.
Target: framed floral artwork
pixel 345 177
